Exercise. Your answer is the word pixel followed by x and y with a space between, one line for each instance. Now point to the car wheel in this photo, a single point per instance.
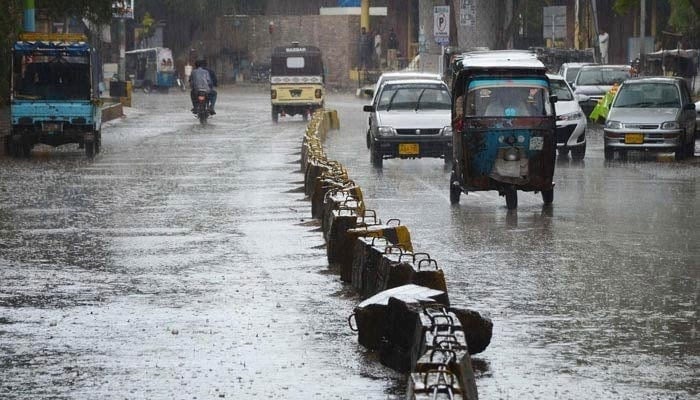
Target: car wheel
pixel 548 196
pixel 564 151
pixel 375 157
pixel 578 152
pixel 609 153
pixel 681 152
pixel 368 139
pixel 691 148
pixel 511 198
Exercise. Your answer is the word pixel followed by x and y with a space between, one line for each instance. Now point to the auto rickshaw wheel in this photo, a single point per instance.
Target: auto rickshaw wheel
pixel 548 196
pixel 98 142
pixel 275 114
pixel 511 198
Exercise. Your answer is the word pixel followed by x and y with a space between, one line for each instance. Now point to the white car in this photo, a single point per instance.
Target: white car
pixel 394 76
pixel 410 119
pixel 571 121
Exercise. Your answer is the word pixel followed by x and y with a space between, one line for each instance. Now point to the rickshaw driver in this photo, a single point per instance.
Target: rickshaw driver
pixel 509 102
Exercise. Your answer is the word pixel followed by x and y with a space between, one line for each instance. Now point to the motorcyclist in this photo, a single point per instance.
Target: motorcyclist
pixel 214 82
pixel 201 81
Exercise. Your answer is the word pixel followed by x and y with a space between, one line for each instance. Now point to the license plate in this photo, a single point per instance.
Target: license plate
pixel 52 127
pixel 634 138
pixel 409 149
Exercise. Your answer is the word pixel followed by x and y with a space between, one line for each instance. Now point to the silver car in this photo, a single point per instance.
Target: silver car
pixel 654 114
pixel 410 119
pixel 594 81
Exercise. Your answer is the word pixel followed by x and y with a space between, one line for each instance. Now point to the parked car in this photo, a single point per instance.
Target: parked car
pixel 410 119
pixel 393 76
pixel 654 113
pixel 571 122
pixel 570 70
pixel 593 81
pixel 697 119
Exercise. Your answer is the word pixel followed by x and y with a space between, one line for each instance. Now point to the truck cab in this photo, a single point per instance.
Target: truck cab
pixel 54 95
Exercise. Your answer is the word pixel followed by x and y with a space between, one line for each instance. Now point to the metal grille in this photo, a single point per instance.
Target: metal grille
pixel 417 132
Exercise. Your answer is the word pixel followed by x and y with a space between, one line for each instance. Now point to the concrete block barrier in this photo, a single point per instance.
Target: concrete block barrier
pixel 406 316
pixel 370 315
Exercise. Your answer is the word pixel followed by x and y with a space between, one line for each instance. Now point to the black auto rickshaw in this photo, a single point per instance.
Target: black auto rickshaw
pixel 504 126
pixel 297 79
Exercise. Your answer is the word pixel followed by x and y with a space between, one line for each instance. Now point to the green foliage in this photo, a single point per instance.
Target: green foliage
pixel 684 19
pixel 622 7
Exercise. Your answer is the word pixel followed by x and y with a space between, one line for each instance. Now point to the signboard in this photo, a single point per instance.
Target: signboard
pixel 123 9
pixel 441 24
pixel 467 12
pixel 554 22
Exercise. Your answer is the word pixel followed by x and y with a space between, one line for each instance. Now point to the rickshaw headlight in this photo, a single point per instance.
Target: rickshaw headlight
pixel 318 93
pixel 273 93
pixel 613 125
pixel 386 131
pixel 446 131
pixel 670 125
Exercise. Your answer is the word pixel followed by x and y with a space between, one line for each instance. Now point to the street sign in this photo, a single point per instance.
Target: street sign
pixel 441 24
pixel 554 22
pixel 123 9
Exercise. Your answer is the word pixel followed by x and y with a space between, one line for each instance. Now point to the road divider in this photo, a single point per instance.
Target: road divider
pixel 406 315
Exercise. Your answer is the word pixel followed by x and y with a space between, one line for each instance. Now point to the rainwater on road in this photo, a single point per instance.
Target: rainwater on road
pixel 182 262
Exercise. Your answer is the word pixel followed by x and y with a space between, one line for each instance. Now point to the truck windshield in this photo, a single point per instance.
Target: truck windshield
pixel 37 77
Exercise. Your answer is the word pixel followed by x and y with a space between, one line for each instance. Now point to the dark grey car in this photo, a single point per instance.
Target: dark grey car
pixel 651 114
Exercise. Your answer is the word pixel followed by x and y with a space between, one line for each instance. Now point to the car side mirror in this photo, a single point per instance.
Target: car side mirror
pixel 368 108
pixel 553 98
pixel 689 106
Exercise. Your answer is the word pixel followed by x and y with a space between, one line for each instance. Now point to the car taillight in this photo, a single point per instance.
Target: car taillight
pixel 273 93
pixel 318 93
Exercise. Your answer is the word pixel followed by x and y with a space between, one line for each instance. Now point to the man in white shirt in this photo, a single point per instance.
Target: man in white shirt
pixel 603 42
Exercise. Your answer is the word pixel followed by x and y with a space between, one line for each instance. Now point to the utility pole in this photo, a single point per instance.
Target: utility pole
pixel 122 49
pixel 642 26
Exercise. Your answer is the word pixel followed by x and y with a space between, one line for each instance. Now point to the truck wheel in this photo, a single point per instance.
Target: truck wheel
pixel 455 190
pixel 511 198
pixel 90 148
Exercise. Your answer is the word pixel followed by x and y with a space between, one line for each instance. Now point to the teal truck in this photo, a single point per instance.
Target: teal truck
pixel 54 94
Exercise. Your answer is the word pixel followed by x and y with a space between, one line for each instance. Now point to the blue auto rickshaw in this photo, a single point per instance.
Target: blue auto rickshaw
pixel 504 126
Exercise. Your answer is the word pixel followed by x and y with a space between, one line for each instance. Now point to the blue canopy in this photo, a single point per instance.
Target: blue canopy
pixel 54 48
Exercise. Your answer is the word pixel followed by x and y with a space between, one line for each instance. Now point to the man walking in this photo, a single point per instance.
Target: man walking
pixel 603 42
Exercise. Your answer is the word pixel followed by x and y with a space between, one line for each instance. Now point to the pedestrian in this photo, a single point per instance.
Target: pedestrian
pixel 392 50
pixel 378 49
pixel 363 43
pixel 603 42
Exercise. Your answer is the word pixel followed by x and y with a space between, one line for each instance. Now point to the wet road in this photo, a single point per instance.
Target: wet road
pixel 182 263
pixel 596 297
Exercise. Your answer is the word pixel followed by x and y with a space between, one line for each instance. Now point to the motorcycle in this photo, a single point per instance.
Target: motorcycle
pixel 201 107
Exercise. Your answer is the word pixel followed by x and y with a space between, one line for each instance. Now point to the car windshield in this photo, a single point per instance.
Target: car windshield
pixel 571 73
pixel 601 76
pixel 519 97
pixel 648 95
pixel 560 89
pixel 414 97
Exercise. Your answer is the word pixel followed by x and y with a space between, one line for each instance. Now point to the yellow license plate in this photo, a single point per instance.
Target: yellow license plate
pixel 634 138
pixel 409 149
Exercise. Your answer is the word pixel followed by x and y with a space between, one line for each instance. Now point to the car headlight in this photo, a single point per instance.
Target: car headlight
pixel 613 125
pixel 570 116
pixel 446 131
pixel 386 131
pixel 670 125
